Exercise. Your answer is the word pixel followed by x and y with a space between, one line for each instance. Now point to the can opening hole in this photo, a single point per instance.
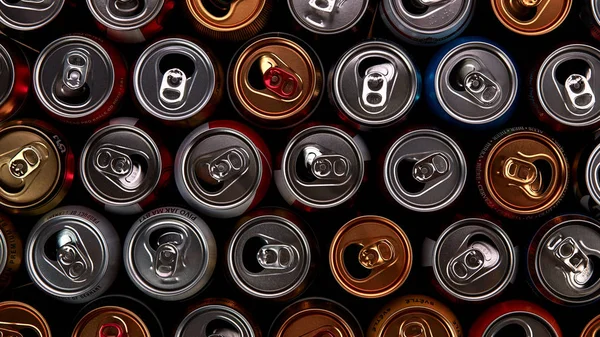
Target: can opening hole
pixel 28 332
pixel 594 278
pixel 206 181
pixel 249 253
pixel 255 76
pixel 414 7
pixel 71 96
pixel 164 235
pixel 369 62
pixel 352 263
pixel 218 8
pixel 177 61
pixel 221 328
pixel 456 77
pixel 545 171
pixel 405 176
pixel 303 171
pixel 572 67
pixel 512 330
pixel 50 248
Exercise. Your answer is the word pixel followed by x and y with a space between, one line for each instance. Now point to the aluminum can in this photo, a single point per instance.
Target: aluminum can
pixel 124 166
pixel 130 21
pixel 272 254
pixel 177 81
pixel 170 253
pixel 472 260
pixel 73 254
pixel 11 252
pixel 217 317
pixel 561 260
pixel 515 318
pixel 315 317
pixel 19 318
pixel 566 86
pixel 328 17
pixel 370 256
pixel 27 15
pixel 522 173
pixel 382 76
pixel 15 81
pixel 223 169
pixel 531 17
pixel 321 167
pixel 36 167
pixel 79 79
pixel 275 80
pixel 231 20
pixel 586 179
pixel 592 328
pixel 472 82
pixel 415 315
pixel 427 22
pixel 590 16
pixel 424 170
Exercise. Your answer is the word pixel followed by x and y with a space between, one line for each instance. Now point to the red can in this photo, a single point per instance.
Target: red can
pixel 80 79
pixel 15 83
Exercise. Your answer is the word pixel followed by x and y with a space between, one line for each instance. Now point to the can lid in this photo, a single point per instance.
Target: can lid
pixel 110 321
pixel 120 164
pixel 526 172
pixel 221 167
pixel 425 170
pixel 329 16
pixel 125 14
pixel 476 82
pixel 30 166
pixel 18 318
pixel 370 256
pixel 231 16
pixel 520 323
pixel 566 258
pixel 323 166
pixel 28 15
pixel 592 174
pixel 383 78
pixel 531 17
pixel 7 74
pixel 595 6
pixel 73 76
pixel 317 317
pixel 275 78
pixel 431 16
pixel 474 259
pixel 174 79
pixel 592 329
pixel 215 320
pixel 568 83
pixel 170 255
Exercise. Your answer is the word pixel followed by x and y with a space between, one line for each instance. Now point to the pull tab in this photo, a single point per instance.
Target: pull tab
pixel 326 167
pixel 323 331
pixel 376 254
pixel 127 5
pixel 25 162
pixel 580 93
pixel 278 80
pixel 168 254
pixel 476 261
pixel 415 327
pixel 525 175
pixel 572 259
pixel 431 167
pixel 277 257
pixel 326 6
pixel 480 86
pixel 529 3
pixel 111 330
pixel 31 5
pixel 75 69
pixel 224 165
pixel 173 86
pixel 116 164
pixel 225 332
pixel 73 261
pixel 376 86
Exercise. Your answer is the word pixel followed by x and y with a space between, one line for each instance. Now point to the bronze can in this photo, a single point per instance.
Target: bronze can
pixel 522 173
pixel 592 329
pixel 415 315
pixel 11 252
pixel 275 80
pixel 315 317
pixel 111 321
pixel 17 317
pixel 234 20
pixel 531 17
pixel 370 256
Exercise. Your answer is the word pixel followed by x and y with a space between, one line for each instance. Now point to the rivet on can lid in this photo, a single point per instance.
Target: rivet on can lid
pixel 18 317
pixel 216 319
pixel 29 15
pixel 109 321
pixel 125 14
pixel 327 16
pixel 531 17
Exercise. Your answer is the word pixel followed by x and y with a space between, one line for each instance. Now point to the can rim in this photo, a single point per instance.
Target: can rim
pixel 30 310
pixel 85 320
pixel 214 306
pixel 14 26
pixel 330 32
pixel 592 327
pixel 591 181
pixel 595 13
pixel 538 317
pixel 92 7
pixel 3 251
pixel 398 20
pixel 11 65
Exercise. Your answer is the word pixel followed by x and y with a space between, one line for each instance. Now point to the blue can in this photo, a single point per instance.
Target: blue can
pixel 471 82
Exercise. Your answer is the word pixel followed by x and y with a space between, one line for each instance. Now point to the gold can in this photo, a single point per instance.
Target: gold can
pixel 370 256
pixel 415 315
pixel 111 321
pixel 592 329
pixel 17 317
pixel 11 252
pixel 276 80
pixel 531 17
pixel 234 20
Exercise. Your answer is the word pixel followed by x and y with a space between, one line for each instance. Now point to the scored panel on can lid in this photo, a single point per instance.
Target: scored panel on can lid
pixel 370 256
pixel 383 78
pixel 520 323
pixel 327 16
pixel 476 82
pixel 531 17
pixel 22 318
pixel 124 14
pixel 215 319
pixel 568 83
pixel 425 170
pixel 474 260
pixel 174 79
pixel 29 15
pixel 111 321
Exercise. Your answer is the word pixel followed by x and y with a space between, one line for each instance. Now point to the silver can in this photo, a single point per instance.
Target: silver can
pixel 217 317
pixel 122 166
pixel 322 167
pixel 170 253
pixel 271 255
pixel 177 81
pixel 472 260
pixel 427 22
pixel 223 169
pixel 424 170
pixel 73 254
pixel 523 323
pixel 566 86
pixel 384 79
pixel 327 17
pixel 27 15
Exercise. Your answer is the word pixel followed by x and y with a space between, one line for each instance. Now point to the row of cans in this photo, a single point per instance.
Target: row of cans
pixel 73 254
